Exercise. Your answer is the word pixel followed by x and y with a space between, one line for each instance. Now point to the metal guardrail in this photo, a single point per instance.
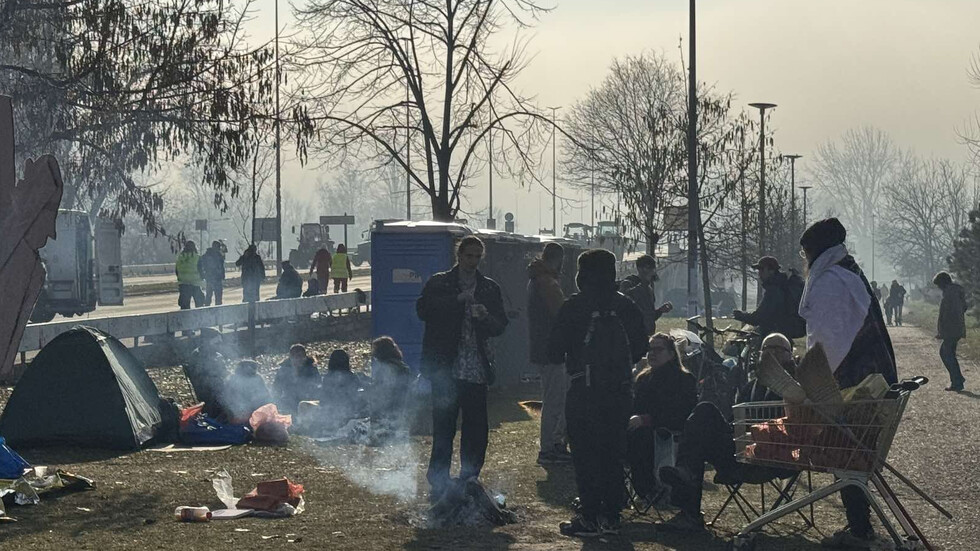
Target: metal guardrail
pixel 137 270
pixel 36 335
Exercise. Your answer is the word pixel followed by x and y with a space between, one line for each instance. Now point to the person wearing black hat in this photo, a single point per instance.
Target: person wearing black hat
pixel 599 335
pixel 770 316
pixel 951 327
pixel 843 314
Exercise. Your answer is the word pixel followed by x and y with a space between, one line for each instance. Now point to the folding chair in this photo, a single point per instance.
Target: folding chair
pixel 665 440
pixel 785 489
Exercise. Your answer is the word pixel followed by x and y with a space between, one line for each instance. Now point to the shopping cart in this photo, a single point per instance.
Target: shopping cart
pixel 849 440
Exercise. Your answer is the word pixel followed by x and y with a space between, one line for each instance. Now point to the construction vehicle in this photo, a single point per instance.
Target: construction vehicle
pixel 608 236
pixel 312 236
pixel 83 267
pixel 363 252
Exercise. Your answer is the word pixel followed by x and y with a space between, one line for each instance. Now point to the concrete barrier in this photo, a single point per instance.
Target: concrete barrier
pixel 36 335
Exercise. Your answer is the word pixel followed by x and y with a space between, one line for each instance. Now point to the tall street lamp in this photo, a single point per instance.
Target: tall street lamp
pixel 762 186
pixel 408 135
pixel 792 197
pixel 491 221
pixel 804 188
pixel 554 173
pixel 693 202
pixel 278 157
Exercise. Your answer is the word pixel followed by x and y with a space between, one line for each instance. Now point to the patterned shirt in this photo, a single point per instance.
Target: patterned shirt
pixel 469 366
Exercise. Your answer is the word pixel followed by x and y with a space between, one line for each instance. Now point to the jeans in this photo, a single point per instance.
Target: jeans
pixel 339 283
pixel 554 386
pixel 898 313
pixel 250 293
pixel 947 352
pixel 597 434
pixel 184 294
pixel 213 288
pixel 858 511
pixel 450 397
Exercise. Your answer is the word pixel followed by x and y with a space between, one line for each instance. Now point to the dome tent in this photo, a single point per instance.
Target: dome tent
pixel 84 388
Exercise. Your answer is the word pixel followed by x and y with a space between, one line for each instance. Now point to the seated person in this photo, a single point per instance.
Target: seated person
pixel 312 288
pixel 392 380
pixel 244 392
pixel 664 393
pixel 206 371
pixel 290 282
pixel 339 397
pixel 708 438
pixel 297 379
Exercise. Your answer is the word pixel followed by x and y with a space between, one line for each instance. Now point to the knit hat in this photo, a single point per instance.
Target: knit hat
pixel 339 361
pixel 822 235
pixel 596 270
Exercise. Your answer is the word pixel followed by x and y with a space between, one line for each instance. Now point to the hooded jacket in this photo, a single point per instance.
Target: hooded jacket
pixel 951 324
pixel 442 314
pixel 212 265
pixel 567 343
pixel 544 300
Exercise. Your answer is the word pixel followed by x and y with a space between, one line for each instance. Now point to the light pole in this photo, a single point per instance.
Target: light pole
pixel 693 202
pixel 762 186
pixel 792 197
pixel 554 174
pixel 872 246
pixel 408 139
pixel 804 188
pixel 491 222
pixel 278 158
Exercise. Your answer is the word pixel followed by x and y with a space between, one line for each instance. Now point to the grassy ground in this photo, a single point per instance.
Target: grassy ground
pixel 362 498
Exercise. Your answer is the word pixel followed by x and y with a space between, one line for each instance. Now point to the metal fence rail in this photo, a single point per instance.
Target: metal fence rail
pixel 36 335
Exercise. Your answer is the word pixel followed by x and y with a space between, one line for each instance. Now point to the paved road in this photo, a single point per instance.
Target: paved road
pixel 166 302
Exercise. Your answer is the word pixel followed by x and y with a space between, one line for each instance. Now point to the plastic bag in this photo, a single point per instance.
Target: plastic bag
pixel 269 425
pixel 12 466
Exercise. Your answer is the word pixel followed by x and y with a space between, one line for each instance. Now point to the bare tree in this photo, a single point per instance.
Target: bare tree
pixel 852 175
pixel 375 75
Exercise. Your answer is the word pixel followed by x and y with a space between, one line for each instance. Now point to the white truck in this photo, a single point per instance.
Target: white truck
pixel 83 265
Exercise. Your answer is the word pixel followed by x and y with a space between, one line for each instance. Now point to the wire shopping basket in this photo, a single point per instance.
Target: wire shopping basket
pixel 850 440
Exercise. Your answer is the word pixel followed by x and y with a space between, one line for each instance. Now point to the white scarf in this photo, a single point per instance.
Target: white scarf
pixel 835 303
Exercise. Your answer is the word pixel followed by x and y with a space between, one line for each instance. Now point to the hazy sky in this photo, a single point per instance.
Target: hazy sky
pixel 830 65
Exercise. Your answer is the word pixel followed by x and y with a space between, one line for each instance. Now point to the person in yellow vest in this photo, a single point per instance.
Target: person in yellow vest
pixel 340 269
pixel 189 277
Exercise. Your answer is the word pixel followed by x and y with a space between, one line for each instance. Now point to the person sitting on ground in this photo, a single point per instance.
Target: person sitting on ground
pixel 664 394
pixel 296 380
pixel 639 288
pixel 339 395
pixel 244 392
pixel 312 287
pixel 290 282
pixel 707 438
pixel 392 379
pixel 206 371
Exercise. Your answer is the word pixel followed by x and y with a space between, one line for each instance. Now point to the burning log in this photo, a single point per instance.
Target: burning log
pixel 467 503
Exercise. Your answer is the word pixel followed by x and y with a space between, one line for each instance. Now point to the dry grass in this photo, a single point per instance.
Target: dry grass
pixel 133 504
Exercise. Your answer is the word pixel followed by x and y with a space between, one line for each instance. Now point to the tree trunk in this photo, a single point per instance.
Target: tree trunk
pixel 705 282
pixel 440 209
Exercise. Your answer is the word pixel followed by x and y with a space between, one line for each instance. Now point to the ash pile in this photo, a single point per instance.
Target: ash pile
pixel 468 503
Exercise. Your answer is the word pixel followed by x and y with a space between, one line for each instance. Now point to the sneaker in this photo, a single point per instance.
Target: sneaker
pixel 685 522
pixel 677 477
pixel 609 525
pixel 579 527
pixel 845 539
pixel 954 388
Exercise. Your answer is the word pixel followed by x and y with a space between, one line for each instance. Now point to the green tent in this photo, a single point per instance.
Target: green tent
pixel 84 388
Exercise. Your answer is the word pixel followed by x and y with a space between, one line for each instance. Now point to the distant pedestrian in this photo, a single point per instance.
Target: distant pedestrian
pixel 639 288
pixel 599 335
pixel 321 264
pixel 544 299
pixel 462 310
pixel 212 265
pixel 253 273
pixel 896 299
pixel 341 269
pixel 290 282
pixel 951 327
pixel 189 277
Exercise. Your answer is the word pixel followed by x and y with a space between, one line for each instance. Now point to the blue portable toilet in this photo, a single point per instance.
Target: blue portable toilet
pixel 404 255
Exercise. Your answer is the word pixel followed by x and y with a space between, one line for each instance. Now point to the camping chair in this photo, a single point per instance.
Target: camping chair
pixel 785 487
pixel 666 442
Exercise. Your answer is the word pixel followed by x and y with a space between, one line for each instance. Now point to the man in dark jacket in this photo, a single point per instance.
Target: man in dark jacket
pixel 771 313
pixel 290 282
pixel 895 302
pixel 462 309
pixel 639 288
pixel 212 265
pixel 597 407
pixel 544 299
pixel 253 273
pixel 951 327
